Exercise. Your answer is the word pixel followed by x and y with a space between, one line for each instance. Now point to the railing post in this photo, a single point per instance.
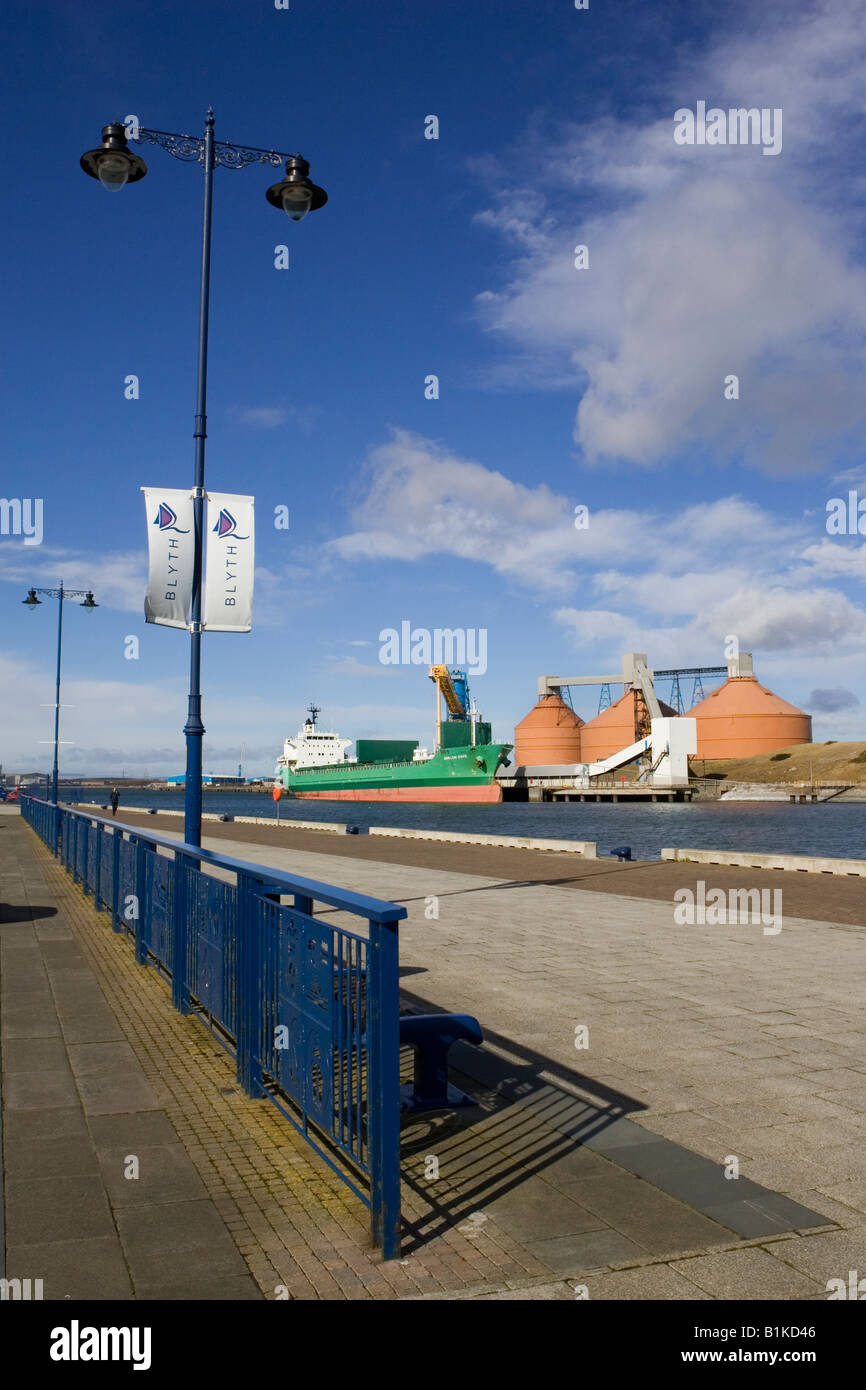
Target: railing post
pixel 86 828
pixel 180 937
pixel 250 1001
pixel 140 876
pixel 97 882
pixel 93 860
pixel 116 837
pixel 383 1086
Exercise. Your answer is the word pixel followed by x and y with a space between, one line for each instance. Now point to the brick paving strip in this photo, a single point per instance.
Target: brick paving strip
pixel 231 1203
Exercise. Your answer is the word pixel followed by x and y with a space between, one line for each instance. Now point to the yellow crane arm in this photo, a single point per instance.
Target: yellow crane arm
pixel 441 676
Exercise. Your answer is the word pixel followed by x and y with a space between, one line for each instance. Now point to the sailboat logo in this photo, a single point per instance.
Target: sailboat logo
pixel 166 520
pixel 227 526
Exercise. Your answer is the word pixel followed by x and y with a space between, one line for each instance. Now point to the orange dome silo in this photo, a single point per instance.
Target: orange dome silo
pixel 549 734
pixel 743 718
pixel 622 723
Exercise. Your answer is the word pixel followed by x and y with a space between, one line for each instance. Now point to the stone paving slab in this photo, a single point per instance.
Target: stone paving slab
pixel 744 1274
pixel 65 1062
pixel 90 1269
pixel 275 1207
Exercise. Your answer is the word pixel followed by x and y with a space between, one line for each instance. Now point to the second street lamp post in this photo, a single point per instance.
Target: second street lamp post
pixel 115 165
pixel 88 605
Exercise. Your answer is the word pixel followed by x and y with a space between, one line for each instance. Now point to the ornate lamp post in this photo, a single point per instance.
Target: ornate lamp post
pixel 32 603
pixel 115 165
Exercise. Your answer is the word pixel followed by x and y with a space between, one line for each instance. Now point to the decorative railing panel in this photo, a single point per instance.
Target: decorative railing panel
pixel 315 1041
pixel 156 907
pixel 213 910
pixel 128 906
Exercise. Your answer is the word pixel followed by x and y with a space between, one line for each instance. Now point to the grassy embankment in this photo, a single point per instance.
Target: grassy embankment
pixel 834 764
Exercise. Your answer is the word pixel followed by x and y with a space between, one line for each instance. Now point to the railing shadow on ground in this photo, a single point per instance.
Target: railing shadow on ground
pixel 523 1123
pixel 497 887
pixel 22 912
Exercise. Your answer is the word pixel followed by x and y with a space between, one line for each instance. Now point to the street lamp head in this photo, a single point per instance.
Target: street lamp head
pixel 31 601
pixel 113 163
pixel 88 605
pixel 297 195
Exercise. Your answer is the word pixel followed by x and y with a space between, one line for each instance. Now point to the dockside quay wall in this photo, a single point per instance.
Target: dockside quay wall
pixel 336 827
pixel 587 848
pixel 802 863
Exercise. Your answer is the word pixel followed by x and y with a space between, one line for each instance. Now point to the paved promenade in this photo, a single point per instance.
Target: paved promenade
pixel 600 1167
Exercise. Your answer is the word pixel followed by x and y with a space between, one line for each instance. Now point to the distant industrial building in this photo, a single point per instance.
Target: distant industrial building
pixel 743 718
pixel 738 720
pixel 210 779
pixel 549 733
pixel 621 723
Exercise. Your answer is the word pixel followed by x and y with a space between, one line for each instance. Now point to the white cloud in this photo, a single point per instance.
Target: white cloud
pixel 271 417
pixel 351 666
pixel 837 559
pixel 771 618
pixel 118 579
pixel 704 261
pixel 264 417
pixel 423 500
pixel 673 583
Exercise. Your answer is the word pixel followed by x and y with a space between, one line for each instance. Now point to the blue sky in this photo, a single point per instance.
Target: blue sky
pixel 558 387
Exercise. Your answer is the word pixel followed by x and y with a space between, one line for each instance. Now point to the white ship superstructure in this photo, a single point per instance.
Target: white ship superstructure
pixel 313 747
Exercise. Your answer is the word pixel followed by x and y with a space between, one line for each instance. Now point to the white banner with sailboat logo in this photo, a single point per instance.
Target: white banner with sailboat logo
pixel 170 548
pixel 228 593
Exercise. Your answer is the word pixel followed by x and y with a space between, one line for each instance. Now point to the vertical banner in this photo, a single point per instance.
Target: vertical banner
pixel 170 548
pixel 228 594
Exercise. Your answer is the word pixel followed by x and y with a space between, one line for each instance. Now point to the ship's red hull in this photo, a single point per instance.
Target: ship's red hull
pixel 491 792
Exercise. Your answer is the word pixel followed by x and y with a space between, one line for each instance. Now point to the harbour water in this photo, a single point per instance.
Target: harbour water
pixel 828 829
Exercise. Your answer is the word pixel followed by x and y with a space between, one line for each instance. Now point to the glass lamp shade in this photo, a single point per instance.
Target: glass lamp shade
pixel 296 200
pixel 113 171
pixel 297 194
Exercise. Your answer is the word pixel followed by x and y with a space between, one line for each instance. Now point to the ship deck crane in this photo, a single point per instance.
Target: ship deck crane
pixel 447 683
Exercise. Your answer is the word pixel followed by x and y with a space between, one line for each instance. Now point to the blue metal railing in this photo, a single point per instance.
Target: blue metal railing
pixel 310 1010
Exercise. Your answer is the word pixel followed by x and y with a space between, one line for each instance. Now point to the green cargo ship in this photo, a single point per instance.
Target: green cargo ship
pixel 462 769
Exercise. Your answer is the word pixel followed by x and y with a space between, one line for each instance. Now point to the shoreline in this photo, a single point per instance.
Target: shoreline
pixel 703 790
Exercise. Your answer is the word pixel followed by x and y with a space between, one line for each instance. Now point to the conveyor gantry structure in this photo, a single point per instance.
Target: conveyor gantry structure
pixel 635 673
pixel 691 672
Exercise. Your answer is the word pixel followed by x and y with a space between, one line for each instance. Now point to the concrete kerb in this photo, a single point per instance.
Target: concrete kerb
pixel 802 863
pixel 335 827
pixel 588 849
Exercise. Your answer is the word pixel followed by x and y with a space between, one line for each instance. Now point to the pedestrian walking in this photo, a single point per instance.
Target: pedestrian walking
pixel 114 800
